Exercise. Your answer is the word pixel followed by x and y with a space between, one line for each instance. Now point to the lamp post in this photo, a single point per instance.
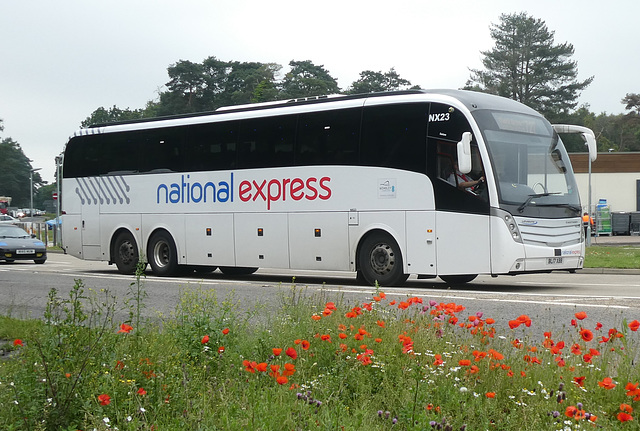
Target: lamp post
pixel 588 239
pixel 31 190
pixel 58 179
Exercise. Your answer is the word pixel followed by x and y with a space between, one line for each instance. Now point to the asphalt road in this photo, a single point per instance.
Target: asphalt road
pixel 549 299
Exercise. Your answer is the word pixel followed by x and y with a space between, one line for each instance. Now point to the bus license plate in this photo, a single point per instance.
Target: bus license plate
pixel 25 251
pixel 554 260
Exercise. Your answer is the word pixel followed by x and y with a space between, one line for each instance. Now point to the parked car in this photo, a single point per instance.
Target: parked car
pixel 7 219
pixel 17 244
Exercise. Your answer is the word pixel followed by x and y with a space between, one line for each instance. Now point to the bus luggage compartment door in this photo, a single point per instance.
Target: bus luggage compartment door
pixel 421 242
pixel 463 243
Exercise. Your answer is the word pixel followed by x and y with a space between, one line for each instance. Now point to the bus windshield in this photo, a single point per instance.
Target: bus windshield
pixel 531 167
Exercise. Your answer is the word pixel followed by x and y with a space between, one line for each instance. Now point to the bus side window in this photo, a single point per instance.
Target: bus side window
pixel 211 147
pixel 266 142
pixel 162 150
pixel 328 138
pixel 82 157
pixel 394 136
pixel 120 153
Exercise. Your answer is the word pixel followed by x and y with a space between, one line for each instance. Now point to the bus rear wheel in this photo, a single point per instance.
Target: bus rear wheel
pixel 162 254
pixel 458 279
pixel 380 260
pixel 125 253
pixel 237 270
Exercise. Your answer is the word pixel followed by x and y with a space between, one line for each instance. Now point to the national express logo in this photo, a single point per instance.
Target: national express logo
pixel 269 191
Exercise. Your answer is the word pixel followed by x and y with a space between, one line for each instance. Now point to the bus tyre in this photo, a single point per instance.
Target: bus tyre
pixel 458 279
pixel 125 253
pixel 162 254
pixel 379 259
pixel 237 270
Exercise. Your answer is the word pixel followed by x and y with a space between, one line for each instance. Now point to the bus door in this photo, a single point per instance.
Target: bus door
pixel 462 206
pixel 90 220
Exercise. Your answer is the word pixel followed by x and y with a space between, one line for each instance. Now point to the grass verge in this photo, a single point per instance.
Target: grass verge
pixel 312 363
pixel 612 257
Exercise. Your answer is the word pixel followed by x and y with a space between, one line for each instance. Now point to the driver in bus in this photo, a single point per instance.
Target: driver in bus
pixel 462 181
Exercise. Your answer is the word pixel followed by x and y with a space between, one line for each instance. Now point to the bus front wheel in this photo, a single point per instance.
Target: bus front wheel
pixel 125 253
pixel 162 254
pixel 380 260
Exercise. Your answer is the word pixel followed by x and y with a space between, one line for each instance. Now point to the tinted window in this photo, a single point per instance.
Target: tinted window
pixel 77 161
pixel 212 146
pixel 328 137
pixel 395 136
pixel 266 142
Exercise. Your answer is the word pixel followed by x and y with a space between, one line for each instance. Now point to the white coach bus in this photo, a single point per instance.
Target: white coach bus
pixel 433 183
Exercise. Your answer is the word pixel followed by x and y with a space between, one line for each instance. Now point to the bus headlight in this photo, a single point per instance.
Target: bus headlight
pixel 511 225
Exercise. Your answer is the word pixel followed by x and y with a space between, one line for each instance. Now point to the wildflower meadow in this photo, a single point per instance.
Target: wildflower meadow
pixel 313 362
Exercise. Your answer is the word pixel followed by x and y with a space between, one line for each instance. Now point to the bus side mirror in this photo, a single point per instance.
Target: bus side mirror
pixel 464 153
pixel 591 145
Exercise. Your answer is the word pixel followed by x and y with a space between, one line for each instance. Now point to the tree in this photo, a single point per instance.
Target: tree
pixel 306 79
pixel 111 115
pixel 372 82
pixel 632 102
pixel 527 66
pixel 15 169
pixel 206 86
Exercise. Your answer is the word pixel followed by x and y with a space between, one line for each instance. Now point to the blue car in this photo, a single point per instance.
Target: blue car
pixel 17 244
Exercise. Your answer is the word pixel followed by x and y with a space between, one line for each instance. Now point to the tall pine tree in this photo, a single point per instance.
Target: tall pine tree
pixel 527 66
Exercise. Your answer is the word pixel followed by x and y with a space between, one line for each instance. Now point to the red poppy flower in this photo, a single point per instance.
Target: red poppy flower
pixel 607 383
pixel 586 334
pixel 579 380
pixel 125 328
pixel 570 411
pixel 250 366
pixel 225 331
pixel 276 351
pixel 205 339
pixel 581 315
pixel 282 380
pixel 17 342
pixel 262 367
pixel 624 417
pixel 316 317
pixel 291 352
pixel 305 345
pixel 104 399
pixel 633 391
pixel 626 408
pixel 289 369
pixel 464 362
pixel 141 391
pixel 490 395
pixel 634 325
pixel 513 324
pixel 221 349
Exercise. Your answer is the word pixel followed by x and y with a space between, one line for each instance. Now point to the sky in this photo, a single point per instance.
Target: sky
pixel 61 60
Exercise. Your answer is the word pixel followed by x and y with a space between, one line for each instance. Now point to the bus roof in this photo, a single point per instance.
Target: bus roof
pixel 471 99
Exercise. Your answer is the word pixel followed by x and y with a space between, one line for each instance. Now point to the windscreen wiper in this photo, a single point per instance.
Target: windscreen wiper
pixel 575 208
pixel 534 196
